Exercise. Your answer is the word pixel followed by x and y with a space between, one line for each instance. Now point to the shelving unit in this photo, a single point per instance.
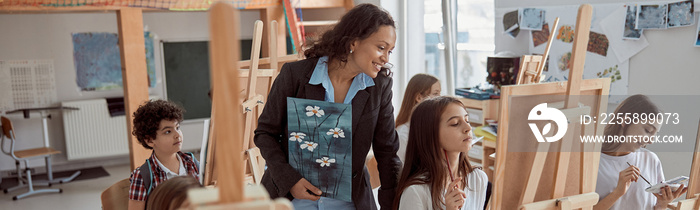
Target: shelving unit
pixel 489 110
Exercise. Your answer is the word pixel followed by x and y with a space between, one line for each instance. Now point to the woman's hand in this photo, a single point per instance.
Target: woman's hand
pixel 666 195
pixel 626 178
pixel 454 199
pixel 299 190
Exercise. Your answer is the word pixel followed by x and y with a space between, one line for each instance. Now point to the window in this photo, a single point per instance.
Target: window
pixel 475 41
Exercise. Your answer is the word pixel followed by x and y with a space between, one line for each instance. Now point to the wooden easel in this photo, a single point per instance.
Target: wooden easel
pixel 691 201
pixel 229 139
pixel 583 201
pixel 514 190
pixel 253 102
pixel 531 66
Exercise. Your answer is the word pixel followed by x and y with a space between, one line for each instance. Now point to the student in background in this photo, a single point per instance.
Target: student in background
pixel 344 66
pixel 419 88
pixel 172 194
pixel 157 127
pixel 437 174
pixel 619 184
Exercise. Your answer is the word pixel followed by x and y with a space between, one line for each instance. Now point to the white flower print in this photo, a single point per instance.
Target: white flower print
pixel 294 136
pixel 309 145
pixel 336 132
pixel 315 110
pixel 324 161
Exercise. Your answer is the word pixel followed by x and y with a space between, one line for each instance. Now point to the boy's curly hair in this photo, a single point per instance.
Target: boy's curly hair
pixel 148 116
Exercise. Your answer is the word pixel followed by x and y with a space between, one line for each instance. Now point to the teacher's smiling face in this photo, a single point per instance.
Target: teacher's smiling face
pixel 370 54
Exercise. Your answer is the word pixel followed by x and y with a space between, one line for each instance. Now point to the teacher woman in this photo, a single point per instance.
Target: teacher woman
pixel 344 66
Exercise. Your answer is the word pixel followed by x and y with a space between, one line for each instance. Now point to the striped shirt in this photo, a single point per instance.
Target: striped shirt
pixel 137 189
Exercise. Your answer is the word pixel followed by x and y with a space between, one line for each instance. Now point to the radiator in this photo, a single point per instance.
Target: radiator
pixel 91 132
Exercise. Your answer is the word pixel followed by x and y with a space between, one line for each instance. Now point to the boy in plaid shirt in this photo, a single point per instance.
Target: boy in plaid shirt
pixel 157 127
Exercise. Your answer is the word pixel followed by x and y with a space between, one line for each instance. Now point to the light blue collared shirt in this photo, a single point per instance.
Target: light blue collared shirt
pixel 320 76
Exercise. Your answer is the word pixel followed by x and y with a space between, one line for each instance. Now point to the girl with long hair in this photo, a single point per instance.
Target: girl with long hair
pixel 419 88
pixel 623 164
pixel 437 174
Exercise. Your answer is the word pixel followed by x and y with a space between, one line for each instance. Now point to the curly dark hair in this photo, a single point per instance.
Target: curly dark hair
pixel 358 24
pixel 148 116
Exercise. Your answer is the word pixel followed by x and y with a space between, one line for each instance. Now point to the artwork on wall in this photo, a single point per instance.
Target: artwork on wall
pixel 531 18
pixel 566 34
pixel 598 43
pixel 630 21
pixel 320 144
pixel 564 63
pixel 510 24
pixel 680 14
pixel 697 35
pixel 540 37
pixel 652 16
pixel 98 63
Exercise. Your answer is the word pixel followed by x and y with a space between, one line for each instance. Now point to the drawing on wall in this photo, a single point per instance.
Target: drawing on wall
pixel 564 63
pixel 320 144
pixel 532 19
pixel 630 23
pixel 652 16
pixel 697 39
pixel 510 24
pixel 680 14
pixel 566 34
pixel 150 58
pixel 612 72
pixel 540 37
pixel 598 43
pixel 98 63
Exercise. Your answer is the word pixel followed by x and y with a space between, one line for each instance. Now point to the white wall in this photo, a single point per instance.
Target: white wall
pixel 48 36
pixel 668 66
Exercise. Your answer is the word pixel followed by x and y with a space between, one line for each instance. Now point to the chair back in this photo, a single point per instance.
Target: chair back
pixel 116 197
pixel 6 127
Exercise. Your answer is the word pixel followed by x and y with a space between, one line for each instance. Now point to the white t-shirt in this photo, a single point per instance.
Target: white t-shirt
pixel 636 198
pixel 402 130
pixel 418 196
pixel 181 171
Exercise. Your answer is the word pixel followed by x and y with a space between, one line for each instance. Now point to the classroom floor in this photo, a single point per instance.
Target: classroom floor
pixel 77 195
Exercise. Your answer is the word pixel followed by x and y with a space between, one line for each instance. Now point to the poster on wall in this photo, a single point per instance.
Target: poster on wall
pixel 652 16
pixel 531 18
pixel 630 22
pixel 680 14
pixel 697 34
pixel 98 63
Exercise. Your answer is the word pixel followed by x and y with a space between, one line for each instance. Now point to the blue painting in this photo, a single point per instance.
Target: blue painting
pixel 697 32
pixel 630 21
pixel 98 63
pixel 532 19
pixel 653 16
pixel 320 144
pixel 680 14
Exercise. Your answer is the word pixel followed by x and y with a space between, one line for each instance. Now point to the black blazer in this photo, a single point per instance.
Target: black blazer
pixel 371 106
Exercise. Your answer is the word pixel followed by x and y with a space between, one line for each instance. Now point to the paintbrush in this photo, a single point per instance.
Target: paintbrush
pixel 640 175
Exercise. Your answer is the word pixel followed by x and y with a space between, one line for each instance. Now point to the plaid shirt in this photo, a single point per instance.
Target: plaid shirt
pixel 137 189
